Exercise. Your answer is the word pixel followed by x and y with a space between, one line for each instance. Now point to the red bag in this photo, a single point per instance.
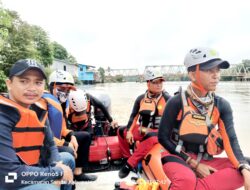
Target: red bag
pixel 98 150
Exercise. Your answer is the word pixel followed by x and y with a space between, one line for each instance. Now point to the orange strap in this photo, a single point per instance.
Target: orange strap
pixel 134 123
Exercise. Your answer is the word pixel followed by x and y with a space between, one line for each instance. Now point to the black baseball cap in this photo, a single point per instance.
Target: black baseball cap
pixel 222 64
pixel 23 65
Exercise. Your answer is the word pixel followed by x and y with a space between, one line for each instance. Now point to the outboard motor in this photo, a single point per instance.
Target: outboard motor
pixel 106 101
pixel 105 148
pixel 102 125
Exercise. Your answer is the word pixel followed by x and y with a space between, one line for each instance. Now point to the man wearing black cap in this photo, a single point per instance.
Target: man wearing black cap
pixel 26 82
pixel 196 126
pixel 24 135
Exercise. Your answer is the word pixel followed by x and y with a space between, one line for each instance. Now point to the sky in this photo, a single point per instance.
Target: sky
pixel 135 33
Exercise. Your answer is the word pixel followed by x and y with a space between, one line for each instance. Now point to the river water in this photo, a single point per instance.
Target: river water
pixel 123 96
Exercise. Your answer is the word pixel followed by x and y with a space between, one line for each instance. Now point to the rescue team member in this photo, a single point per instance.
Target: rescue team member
pixel 25 136
pixel 80 111
pixel 144 121
pixel 196 125
pixel 76 143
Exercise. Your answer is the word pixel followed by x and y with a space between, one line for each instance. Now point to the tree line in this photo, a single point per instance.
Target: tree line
pixel 20 40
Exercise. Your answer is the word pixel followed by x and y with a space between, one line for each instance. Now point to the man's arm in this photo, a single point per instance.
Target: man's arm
pixel 135 111
pixel 226 125
pixel 168 122
pixel 50 154
pixel 97 103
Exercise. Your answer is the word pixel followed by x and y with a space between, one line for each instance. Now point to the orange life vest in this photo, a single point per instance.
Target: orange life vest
pixel 29 132
pixel 151 111
pixel 199 128
pixel 80 116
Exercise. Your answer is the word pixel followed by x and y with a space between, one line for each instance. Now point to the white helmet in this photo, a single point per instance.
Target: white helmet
pixel 200 55
pixel 78 100
pixel 150 74
pixel 60 76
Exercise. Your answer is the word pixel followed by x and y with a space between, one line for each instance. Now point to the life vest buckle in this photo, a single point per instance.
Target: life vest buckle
pixel 178 148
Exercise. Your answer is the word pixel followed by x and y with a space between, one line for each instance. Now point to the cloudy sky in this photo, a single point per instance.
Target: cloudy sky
pixel 135 33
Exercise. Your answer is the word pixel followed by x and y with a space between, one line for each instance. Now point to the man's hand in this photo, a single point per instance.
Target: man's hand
pixel 73 148
pixel 203 170
pixel 114 124
pixel 67 172
pixel 246 176
pixel 74 142
pixel 130 137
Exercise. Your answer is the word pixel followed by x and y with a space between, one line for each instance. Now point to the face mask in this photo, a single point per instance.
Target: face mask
pixel 62 96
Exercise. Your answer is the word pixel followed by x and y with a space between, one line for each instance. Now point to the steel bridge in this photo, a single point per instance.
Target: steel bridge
pixel 123 72
pixel 239 71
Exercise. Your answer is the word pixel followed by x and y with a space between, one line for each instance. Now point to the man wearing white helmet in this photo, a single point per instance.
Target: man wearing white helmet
pixel 143 122
pixel 196 126
pixel 80 111
pixel 78 100
pixel 76 143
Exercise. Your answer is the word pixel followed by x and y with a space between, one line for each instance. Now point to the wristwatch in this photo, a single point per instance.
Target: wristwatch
pixel 244 166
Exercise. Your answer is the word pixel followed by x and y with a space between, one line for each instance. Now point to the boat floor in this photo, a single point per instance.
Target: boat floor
pixel 105 181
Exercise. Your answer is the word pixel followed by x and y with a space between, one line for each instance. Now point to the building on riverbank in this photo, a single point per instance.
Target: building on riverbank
pixel 66 66
pixel 81 72
pixel 86 73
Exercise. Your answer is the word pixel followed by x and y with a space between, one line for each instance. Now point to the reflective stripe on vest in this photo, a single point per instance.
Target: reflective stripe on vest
pixel 157 121
pixel 28 134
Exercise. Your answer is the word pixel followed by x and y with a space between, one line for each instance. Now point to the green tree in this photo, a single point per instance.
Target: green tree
pixel 72 59
pixel 5 24
pixel 19 46
pixel 2 82
pixel 19 43
pixel 25 41
pixel 102 74
pixel 19 40
pixel 59 52
pixel 42 45
pixel 119 78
